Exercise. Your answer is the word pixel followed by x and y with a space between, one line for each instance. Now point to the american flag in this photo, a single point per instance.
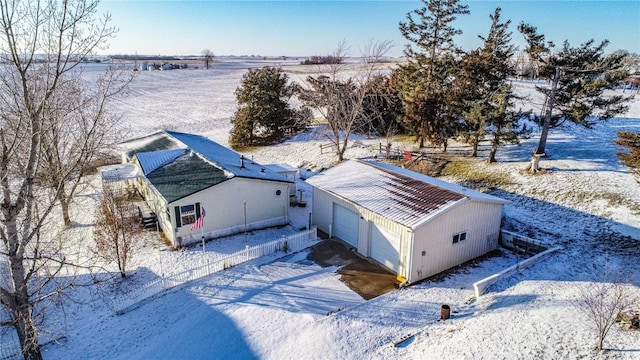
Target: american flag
pixel 199 222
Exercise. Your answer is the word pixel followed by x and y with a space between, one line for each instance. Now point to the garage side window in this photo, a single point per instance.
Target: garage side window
pixel 187 214
pixel 459 237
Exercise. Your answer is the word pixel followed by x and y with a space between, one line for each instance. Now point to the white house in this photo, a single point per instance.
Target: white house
pixel 413 224
pixel 185 176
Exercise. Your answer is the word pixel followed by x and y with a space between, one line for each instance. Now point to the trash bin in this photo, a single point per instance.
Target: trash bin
pixel 445 312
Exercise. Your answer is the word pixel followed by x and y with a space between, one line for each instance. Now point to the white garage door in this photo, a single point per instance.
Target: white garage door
pixel 385 246
pixel 345 225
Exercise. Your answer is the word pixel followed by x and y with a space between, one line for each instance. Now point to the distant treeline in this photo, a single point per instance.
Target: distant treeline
pixel 145 57
pixel 322 60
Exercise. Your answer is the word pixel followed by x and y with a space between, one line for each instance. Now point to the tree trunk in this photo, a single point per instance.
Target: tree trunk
pixel 600 342
pixel 474 144
pixel 28 334
pixel 492 154
pixel 548 113
pixel 64 204
pixel 22 307
pixel 495 143
pixel 534 166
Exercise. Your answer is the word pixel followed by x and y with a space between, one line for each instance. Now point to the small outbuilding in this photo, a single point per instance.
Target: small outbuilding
pixel 199 188
pixel 413 224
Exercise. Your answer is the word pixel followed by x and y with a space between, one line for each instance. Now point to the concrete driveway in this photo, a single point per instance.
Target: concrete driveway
pixel 360 274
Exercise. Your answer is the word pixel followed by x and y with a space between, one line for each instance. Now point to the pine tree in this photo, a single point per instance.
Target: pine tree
pixel 485 96
pixel 427 76
pixel 264 114
pixel 578 76
pixel 382 106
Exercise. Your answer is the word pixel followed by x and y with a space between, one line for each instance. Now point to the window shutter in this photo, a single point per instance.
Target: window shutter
pixel 177 209
pixel 197 210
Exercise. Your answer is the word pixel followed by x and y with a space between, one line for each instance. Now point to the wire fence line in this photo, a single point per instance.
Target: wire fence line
pixel 286 244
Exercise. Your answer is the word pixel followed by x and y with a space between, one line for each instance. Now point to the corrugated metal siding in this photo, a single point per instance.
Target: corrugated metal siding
pixel 322 218
pixel 480 220
pixel 404 232
pixel 322 210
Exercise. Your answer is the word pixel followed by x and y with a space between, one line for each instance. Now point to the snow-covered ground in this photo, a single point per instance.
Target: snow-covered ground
pixel 289 308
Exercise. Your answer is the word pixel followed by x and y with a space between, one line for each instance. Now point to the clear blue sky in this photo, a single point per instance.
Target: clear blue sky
pixel 302 28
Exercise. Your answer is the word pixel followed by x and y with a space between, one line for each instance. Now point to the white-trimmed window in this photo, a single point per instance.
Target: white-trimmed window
pixel 459 237
pixel 187 214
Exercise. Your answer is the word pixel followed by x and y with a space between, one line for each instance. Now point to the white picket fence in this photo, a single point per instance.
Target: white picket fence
pixel 285 245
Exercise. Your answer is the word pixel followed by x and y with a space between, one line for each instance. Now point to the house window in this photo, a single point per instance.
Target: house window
pixel 459 237
pixel 187 214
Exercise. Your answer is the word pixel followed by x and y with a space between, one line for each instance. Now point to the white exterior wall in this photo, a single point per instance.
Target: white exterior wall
pixel 225 208
pixel 322 215
pixel 159 206
pixel 404 233
pixel 480 220
pixel 323 218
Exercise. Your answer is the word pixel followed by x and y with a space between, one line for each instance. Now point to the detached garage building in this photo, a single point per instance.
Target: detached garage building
pixel 413 224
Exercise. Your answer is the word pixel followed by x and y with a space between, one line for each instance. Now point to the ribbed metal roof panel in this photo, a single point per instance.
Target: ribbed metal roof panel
pixel 398 197
pixel 149 161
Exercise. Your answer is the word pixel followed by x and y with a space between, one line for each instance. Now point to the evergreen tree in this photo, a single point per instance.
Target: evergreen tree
pixel 382 106
pixel 629 153
pixel 428 74
pixel 264 114
pixel 579 76
pixel 485 93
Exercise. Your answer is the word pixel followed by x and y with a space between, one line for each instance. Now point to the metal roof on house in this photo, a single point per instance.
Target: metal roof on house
pixel 226 158
pixel 185 175
pixel 399 195
pixel 180 164
pixel 150 161
pixel 152 142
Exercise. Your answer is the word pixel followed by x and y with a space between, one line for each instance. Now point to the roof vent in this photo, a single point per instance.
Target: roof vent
pixel 262 170
pixel 242 161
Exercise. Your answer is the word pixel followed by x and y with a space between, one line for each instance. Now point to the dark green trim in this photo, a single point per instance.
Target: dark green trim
pixel 177 211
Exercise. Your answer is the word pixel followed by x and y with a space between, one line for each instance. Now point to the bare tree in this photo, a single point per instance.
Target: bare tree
pixel 118 222
pixel 207 56
pixel 81 125
pixel 339 97
pixel 601 301
pixel 40 43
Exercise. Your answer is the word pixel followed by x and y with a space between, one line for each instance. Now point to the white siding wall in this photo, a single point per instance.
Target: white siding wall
pixel 224 205
pixel 158 204
pixel 323 209
pixel 480 220
pixel 401 230
pixel 323 216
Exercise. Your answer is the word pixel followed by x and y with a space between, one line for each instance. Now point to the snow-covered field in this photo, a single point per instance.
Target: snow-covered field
pixel 291 309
